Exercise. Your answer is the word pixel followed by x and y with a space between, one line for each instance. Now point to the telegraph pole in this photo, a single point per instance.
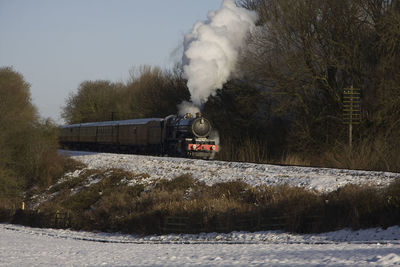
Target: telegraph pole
pixel 351 109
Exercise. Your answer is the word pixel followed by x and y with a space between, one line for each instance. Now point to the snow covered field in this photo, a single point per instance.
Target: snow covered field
pixel 210 172
pixel 24 246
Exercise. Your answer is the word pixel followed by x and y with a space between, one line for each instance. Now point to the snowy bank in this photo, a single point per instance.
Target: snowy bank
pixel 210 172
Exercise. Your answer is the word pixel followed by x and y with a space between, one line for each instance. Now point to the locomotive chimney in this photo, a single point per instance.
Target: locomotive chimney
pixel 198 115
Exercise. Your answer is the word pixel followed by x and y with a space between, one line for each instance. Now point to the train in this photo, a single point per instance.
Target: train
pixel 174 135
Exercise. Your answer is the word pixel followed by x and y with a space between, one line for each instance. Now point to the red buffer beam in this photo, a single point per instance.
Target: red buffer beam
pixel 202 147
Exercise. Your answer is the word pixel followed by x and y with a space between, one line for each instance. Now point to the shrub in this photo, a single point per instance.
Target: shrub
pixel 355 206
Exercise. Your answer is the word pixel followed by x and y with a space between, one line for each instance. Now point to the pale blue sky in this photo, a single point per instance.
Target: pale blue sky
pixel 58 44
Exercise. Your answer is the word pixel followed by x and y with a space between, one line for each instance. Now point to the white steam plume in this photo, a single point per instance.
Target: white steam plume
pixel 212 49
pixel 187 107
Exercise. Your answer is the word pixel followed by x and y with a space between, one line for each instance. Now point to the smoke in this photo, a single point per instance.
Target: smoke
pixel 212 50
pixel 187 107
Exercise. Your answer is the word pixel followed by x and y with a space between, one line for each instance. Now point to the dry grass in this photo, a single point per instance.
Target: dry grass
pixel 365 155
pixel 375 152
pixel 294 159
pixel 249 150
pixel 243 150
pixel 110 205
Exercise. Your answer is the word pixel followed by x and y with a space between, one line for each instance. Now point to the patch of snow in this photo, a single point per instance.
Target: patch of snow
pixel 92 179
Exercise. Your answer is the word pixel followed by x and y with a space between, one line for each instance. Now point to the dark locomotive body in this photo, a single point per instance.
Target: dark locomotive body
pixel 174 136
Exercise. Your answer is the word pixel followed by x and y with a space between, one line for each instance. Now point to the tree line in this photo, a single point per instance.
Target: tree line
pixel 301 58
pixel 149 92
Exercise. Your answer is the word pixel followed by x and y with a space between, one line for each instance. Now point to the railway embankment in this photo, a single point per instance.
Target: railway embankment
pixel 151 195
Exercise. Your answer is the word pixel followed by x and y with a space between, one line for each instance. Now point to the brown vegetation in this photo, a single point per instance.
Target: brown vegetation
pixel 185 205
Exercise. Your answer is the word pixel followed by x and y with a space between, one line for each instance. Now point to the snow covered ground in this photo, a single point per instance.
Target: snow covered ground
pixel 24 246
pixel 210 172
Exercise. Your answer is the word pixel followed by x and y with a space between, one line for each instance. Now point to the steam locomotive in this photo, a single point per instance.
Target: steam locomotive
pixel 187 136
